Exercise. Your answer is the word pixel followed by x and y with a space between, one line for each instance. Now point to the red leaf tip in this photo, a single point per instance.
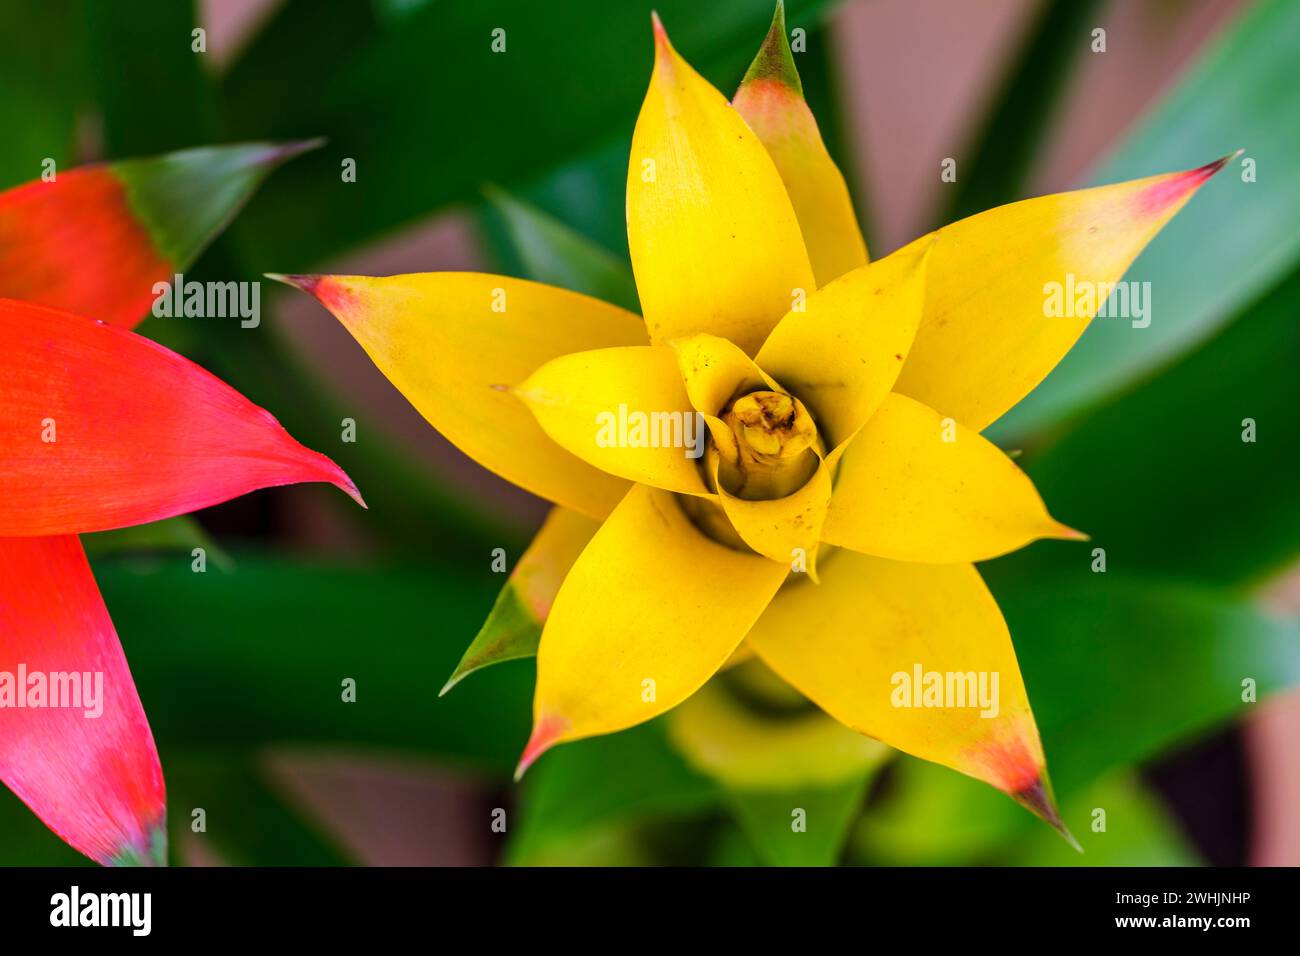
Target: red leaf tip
pixel 546 734
pixel 658 25
pixel 1180 186
pixel 663 46
pixel 336 476
pixel 348 486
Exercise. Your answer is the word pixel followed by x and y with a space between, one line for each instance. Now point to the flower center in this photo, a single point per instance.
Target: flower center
pixel 773 450
pixel 776 447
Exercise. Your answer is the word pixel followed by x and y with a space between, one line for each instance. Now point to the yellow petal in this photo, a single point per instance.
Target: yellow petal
pixel 771 101
pixel 749 749
pixel 715 371
pixel 841 355
pixel 650 612
pixel 714 241
pixel 788 529
pixel 987 336
pixel 451 342
pixel 914 486
pixel 623 410
pixel 854 643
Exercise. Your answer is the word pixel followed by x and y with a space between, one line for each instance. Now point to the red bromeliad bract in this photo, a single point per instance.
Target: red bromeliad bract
pixel 101 428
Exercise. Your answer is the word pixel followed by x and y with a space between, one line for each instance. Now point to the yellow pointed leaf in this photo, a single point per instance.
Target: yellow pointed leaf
pixel 649 613
pixel 914 486
pixel 771 101
pixel 842 353
pixel 452 343
pixel 714 240
pixel 1010 290
pixel 871 643
pixel 625 411
pixel 748 748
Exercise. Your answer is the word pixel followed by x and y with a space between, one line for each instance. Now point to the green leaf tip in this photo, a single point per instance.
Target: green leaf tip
pixel 185 198
pixel 775 61
pixel 510 633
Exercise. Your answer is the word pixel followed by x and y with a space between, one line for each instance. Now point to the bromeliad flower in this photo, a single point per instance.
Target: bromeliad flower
pixel 101 428
pixel 844 490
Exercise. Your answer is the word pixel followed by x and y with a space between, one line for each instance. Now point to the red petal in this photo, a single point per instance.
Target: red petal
pixel 75 244
pixel 95 781
pixel 102 428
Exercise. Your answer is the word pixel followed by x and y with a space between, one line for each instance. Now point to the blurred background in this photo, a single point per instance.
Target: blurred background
pixel 515 162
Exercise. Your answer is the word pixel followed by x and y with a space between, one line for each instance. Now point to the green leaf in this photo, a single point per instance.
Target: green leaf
pixel 1234 240
pixel 185 198
pixel 279 638
pixel 805 827
pixel 514 628
pixel 589 785
pixel 551 252
pixel 1162 478
pixel 510 633
pixel 555 93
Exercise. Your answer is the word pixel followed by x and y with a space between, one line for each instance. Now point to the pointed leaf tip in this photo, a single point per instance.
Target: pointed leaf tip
pixel 1066 533
pixel 282 152
pixel 775 60
pixel 664 52
pixel 307 283
pixel 546 734
pixel 1179 187
pixel 1037 799
pixel 168 439
pixel 345 484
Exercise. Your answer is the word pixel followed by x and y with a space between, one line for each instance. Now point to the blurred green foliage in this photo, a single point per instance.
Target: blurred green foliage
pixel 1136 438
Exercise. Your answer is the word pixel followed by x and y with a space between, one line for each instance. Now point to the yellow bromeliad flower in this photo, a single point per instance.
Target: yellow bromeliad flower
pixel 842 489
